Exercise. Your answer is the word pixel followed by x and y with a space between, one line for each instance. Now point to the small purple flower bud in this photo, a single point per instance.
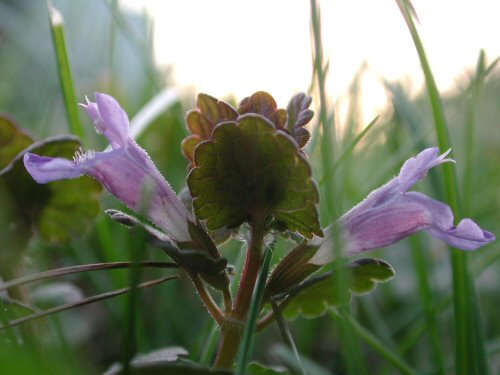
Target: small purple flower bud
pixel 391 213
pixel 124 171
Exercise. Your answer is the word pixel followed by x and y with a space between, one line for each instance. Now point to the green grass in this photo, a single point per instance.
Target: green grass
pixel 470 355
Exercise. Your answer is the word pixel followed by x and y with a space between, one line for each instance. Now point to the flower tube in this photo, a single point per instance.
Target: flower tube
pixel 124 171
pixel 392 213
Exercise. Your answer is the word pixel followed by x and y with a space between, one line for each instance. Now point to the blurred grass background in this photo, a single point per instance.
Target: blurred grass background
pixel 113 53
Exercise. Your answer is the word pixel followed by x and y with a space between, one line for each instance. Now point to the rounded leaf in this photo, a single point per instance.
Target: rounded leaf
pixel 249 171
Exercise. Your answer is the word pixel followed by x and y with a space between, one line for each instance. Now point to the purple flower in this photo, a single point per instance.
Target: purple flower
pixel 391 213
pixel 125 170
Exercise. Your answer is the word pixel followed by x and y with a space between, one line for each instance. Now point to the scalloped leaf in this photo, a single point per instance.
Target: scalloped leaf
pixel 299 115
pixel 202 121
pixel 60 211
pixel 314 301
pixel 264 104
pixel 248 171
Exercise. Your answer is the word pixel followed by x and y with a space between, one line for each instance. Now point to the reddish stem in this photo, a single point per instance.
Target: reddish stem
pixel 232 328
pixel 207 299
pixel 250 273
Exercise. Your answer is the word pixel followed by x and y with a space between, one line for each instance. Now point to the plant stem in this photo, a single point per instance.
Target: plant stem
pixel 207 299
pixel 250 272
pixel 229 343
pixel 248 340
pixel 231 329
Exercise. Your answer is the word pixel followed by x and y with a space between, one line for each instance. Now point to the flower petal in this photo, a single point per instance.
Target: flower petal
pixel 93 113
pixel 109 119
pixel 385 225
pixel 376 198
pixel 415 168
pixel 116 125
pixel 390 213
pixel 125 172
pixel 467 235
pixel 44 169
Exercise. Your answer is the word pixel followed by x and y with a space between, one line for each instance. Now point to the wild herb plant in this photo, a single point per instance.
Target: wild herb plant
pixel 249 178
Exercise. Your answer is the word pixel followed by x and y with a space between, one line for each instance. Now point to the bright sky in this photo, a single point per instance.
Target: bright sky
pixel 224 47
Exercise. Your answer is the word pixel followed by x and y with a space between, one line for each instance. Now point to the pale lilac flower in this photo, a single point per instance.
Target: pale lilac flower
pixel 391 213
pixel 124 171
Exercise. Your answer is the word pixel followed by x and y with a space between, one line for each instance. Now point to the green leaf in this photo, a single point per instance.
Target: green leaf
pixel 255 368
pixel 13 140
pixel 59 211
pixel 290 120
pixel 249 171
pixel 14 217
pixel 291 270
pixel 366 273
pixel 315 298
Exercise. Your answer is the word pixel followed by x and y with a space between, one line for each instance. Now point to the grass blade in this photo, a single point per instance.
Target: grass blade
pixel 139 44
pixel 328 147
pixel 470 356
pixel 251 325
pixel 350 147
pixel 328 137
pixel 85 301
pixel 288 358
pixel 136 252
pixel 82 268
pixel 159 104
pixel 64 71
pixel 428 301
pixel 470 129
pixel 287 335
pixel 371 340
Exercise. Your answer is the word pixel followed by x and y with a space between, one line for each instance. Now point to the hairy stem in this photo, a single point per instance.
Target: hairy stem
pixel 229 343
pixel 250 272
pixel 207 299
pixel 231 329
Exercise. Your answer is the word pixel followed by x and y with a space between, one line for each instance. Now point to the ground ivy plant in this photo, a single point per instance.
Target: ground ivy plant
pixel 249 177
